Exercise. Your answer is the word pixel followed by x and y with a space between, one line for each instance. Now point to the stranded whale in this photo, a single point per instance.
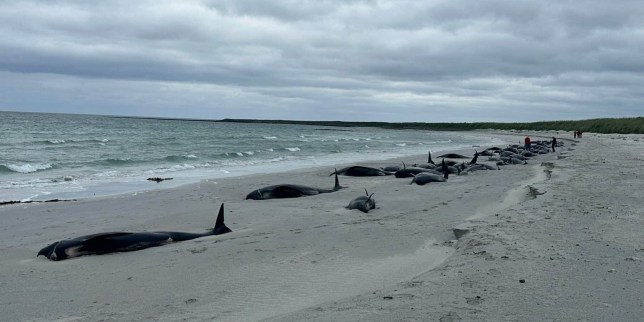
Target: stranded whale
pixel 424 178
pixel 290 191
pixel 363 203
pixel 362 171
pixel 104 243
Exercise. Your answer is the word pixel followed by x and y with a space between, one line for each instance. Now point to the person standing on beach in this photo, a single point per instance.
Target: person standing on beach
pixel 574 134
pixel 554 142
pixel 528 143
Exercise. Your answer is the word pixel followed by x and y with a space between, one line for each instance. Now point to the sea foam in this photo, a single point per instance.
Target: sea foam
pixel 27 167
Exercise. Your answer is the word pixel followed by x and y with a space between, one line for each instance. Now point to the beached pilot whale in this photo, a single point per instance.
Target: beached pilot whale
pixel 104 243
pixel 290 191
pixel 425 178
pixel 362 171
pixel 363 203
pixel 453 156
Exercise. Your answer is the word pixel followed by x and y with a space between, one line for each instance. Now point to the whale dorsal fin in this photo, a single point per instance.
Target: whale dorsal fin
pixel 337 182
pixel 429 157
pixel 220 227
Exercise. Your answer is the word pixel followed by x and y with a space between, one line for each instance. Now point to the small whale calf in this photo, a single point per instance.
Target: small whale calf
pixel 112 242
pixel 363 203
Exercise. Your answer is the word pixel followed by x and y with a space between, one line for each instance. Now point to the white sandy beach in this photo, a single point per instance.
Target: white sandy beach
pixel 570 225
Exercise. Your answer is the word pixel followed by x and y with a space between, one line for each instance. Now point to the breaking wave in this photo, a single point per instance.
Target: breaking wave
pixel 24 168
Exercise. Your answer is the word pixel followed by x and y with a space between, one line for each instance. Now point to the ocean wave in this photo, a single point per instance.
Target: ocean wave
pixel 184 166
pixel 38 183
pixel 24 168
pixel 295 149
pixel 237 154
pixel 176 158
pixel 117 162
pixel 401 144
pixel 67 141
pixel 180 167
pixel 269 137
pixel 242 153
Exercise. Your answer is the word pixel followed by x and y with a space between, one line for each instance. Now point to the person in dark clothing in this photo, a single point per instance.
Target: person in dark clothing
pixel 445 169
pixel 528 144
pixel 554 143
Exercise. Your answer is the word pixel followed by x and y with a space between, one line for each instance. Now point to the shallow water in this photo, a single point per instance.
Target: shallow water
pixel 46 156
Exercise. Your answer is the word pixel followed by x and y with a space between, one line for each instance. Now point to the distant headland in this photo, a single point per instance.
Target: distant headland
pixel 631 125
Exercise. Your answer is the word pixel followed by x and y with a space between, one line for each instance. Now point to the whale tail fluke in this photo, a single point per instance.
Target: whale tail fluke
pixel 220 227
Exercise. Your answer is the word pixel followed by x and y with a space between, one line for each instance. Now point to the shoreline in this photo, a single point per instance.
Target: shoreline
pixel 89 187
pixel 288 259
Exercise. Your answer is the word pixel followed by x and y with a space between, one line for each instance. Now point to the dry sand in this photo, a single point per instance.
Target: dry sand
pixel 569 225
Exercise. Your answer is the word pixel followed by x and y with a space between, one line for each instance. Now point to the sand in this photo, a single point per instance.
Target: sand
pixel 559 239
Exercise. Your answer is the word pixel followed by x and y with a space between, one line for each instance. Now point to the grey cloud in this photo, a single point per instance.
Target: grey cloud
pixel 293 59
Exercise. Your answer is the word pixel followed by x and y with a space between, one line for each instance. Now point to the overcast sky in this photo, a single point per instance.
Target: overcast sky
pixel 387 60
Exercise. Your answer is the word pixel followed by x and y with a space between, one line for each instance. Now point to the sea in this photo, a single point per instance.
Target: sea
pixel 46 156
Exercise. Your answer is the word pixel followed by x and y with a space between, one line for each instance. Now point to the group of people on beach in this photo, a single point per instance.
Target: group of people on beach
pixel 576 134
pixel 528 143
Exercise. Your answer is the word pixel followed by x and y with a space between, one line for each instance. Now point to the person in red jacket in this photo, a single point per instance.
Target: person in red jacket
pixel 528 143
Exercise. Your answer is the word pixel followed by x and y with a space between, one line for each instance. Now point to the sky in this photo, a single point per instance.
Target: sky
pixel 367 60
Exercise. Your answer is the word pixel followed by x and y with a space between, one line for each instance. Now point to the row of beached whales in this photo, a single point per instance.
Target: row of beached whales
pixel 421 174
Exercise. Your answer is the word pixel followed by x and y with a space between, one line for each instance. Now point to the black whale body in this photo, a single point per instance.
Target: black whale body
pixel 362 171
pixel 281 191
pixel 104 243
